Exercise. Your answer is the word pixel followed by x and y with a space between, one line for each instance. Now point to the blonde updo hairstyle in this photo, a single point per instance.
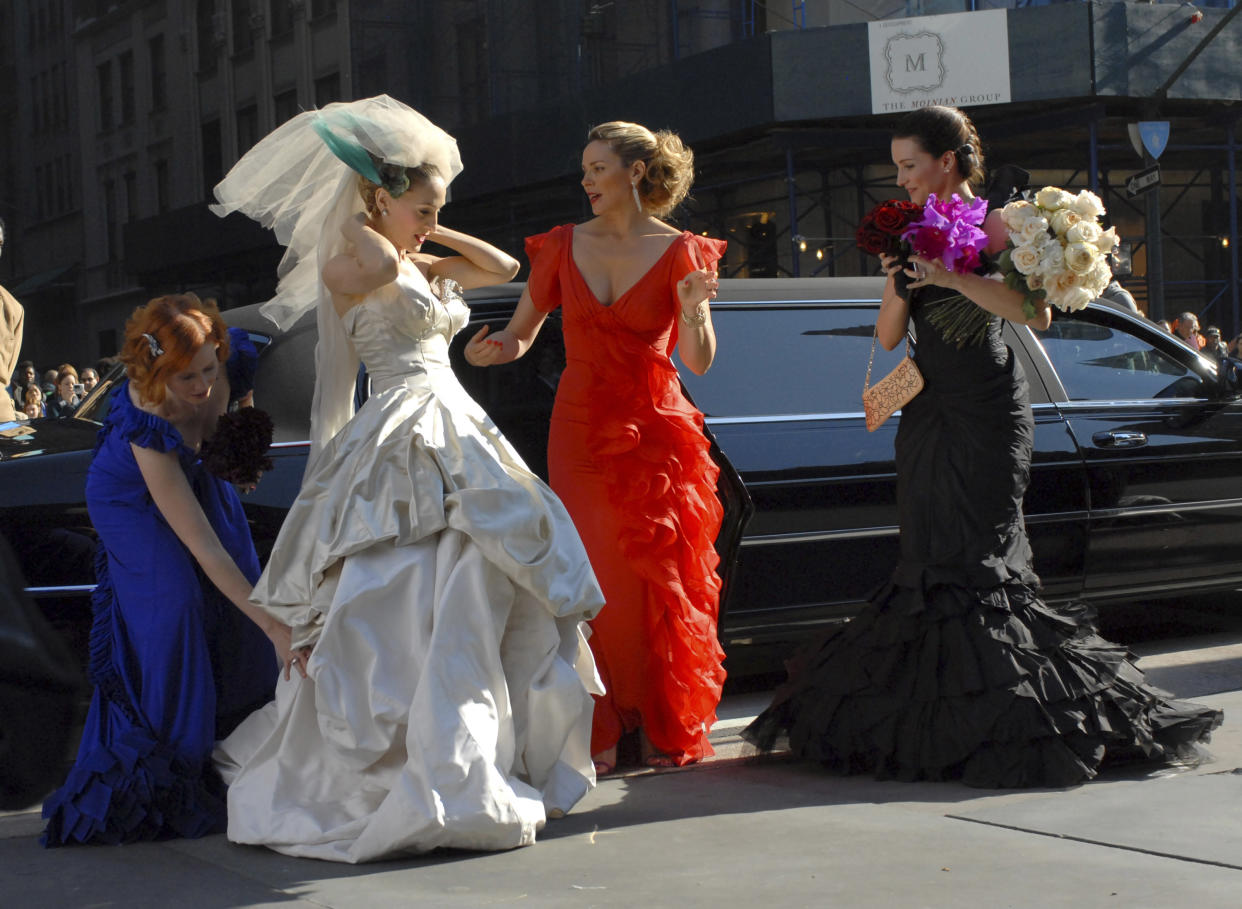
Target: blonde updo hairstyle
pixel 670 164
pixel 939 129
pixel 180 325
pixel 397 179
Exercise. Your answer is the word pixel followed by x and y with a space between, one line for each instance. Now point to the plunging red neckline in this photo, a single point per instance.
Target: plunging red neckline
pixel 621 296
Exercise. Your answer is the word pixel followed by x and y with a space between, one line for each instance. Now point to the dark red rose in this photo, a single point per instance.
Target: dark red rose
pixel 893 216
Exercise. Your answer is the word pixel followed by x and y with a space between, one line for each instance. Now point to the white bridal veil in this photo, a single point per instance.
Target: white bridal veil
pixel 292 182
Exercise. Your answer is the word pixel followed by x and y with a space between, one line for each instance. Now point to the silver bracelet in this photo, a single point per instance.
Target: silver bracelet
pixel 699 317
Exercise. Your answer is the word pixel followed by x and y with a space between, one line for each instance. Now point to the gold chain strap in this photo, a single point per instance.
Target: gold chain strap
pixel 871 359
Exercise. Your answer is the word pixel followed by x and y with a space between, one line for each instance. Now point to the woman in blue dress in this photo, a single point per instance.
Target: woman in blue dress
pixel 178 655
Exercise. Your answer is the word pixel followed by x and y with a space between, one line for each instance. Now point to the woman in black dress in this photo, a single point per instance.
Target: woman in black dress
pixel 956 669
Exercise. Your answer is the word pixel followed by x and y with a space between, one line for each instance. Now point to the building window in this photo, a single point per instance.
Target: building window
pixel 472 70
pixel 62 184
pixel 247 128
pixel 327 89
pixel 321 8
pixel 285 104
pixel 109 206
pixel 213 156
pixel 159 73
pixel 243 37
pixel 281 17
pixel 161 186
pixel 131 196
pixel 103 74
pixel 127 87
pixel 205 25
pixel 373 74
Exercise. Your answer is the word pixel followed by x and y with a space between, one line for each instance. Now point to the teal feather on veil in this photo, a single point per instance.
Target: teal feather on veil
pixel 347 148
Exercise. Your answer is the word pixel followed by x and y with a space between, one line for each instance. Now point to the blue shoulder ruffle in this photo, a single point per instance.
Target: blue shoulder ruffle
pixel 143 429
pixel 242 364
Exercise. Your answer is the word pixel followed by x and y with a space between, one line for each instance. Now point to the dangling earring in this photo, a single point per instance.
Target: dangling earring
pixel 638 202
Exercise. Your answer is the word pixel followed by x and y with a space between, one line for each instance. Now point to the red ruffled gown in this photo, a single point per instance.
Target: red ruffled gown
pixel 627 456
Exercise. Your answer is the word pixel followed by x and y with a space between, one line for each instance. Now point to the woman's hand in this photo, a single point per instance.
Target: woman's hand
pixel 890 264
pixel 489 348
pixel 923 272
pixel 281 636
pixel 697 286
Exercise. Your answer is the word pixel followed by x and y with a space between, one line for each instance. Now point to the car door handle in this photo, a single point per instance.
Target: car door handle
pixel 1119 439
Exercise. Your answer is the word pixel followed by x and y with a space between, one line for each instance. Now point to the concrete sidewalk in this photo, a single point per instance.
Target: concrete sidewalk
pixel 745 831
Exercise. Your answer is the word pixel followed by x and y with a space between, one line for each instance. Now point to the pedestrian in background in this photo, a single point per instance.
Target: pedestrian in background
pixel 12 320
pixel 68 394
pixel 1186 327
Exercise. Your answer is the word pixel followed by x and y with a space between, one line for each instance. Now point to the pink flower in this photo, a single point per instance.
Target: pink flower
pixel 949 231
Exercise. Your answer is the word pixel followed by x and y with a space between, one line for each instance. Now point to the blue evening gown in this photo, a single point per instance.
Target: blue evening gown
pixel 175 664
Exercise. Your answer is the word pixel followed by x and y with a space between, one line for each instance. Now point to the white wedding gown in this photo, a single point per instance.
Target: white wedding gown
pixel 445 588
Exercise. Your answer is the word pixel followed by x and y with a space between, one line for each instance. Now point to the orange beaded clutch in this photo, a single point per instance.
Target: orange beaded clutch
pixel 891 393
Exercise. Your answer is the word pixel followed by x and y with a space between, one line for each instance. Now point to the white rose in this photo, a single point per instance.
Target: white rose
pixel 1107 241
pixel 1080 258
pixel 1088 205
pixel 1015 214
pixel 1084 232
pixel 1074 298
pixel 1051 258
pixel 1097 279
pixel 1061 283
pixel 1063 219
pixel 1025 259
pixel 1035 281
pixel 1033 231
pixel 1052 198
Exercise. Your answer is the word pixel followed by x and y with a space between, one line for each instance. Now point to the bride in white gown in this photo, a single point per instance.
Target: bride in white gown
pixel 441 585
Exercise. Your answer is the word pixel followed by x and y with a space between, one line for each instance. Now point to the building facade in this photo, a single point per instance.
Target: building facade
pixel 127 112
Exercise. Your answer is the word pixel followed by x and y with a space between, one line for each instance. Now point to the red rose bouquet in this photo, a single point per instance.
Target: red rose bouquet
pixel 880 233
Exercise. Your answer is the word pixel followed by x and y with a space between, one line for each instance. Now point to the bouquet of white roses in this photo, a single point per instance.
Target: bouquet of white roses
pixel 1057 249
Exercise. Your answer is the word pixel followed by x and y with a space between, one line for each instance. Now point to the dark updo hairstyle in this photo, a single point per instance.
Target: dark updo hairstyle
pixel 945 129
pixel 670 164
pixel 397 179
pixel 178 325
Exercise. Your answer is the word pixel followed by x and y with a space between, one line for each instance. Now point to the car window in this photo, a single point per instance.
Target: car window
pixel 1098 361
pixel 785 360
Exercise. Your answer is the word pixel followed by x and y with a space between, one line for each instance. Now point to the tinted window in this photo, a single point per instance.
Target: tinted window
pixel 1097 361
pixel 783 360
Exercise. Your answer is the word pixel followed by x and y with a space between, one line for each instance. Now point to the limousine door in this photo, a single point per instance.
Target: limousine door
pixel 1163 451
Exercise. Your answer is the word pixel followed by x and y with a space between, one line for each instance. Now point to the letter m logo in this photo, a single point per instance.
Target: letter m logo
pixel 915 62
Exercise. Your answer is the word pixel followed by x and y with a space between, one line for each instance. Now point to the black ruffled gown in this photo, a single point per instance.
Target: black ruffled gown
pixel 956 669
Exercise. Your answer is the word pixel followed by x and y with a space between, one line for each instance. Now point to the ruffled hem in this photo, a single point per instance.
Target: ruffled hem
pixel 134 789
pixel 649 444
pixel 992 687
pixel 132 424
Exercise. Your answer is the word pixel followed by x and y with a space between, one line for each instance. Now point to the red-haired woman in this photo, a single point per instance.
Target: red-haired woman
pixel 178 655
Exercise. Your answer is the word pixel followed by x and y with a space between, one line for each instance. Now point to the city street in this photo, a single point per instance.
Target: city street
pixel 747 831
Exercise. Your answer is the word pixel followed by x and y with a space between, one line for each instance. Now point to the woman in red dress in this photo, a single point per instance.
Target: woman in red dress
pixel 626 452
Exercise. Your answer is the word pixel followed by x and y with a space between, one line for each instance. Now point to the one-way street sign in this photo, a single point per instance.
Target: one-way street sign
pixel 1143 181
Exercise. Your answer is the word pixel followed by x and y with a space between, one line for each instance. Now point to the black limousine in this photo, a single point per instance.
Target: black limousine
pixel 1136 481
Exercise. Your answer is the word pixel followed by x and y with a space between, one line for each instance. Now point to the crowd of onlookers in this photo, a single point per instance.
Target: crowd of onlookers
pixel 1207 340
pixel 57 393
